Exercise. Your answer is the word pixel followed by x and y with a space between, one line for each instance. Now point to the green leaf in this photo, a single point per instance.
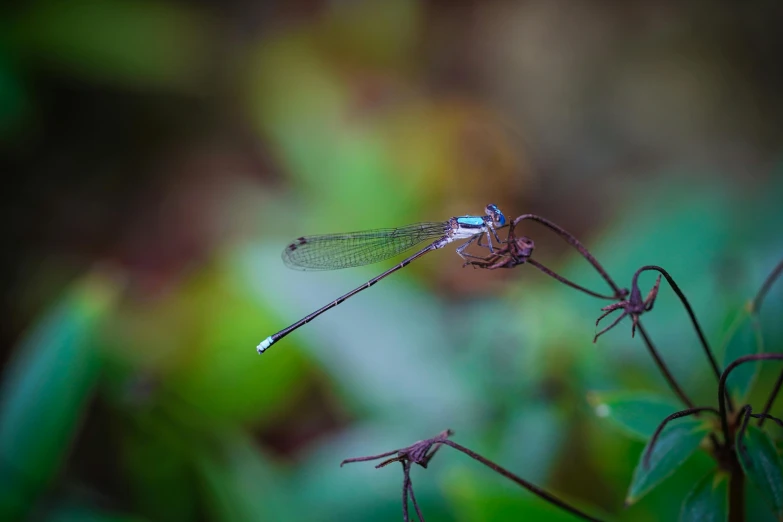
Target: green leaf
pixel 637 414
pixel 45 390
pixel 676 443
pixel 708 500
pixel 762 466
pixel 742 338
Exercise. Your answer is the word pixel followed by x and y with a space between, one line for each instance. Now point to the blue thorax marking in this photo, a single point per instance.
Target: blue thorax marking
pixel 471 221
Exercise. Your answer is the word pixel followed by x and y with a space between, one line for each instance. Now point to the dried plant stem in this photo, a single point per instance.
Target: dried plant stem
pixel 736 491
pixel 571 240
pixel 771 399
pixel 722 386
pixel 756 304
pixel 702 338
pixel 664 369
pixel 568 282
pixel 522 482
pixel 765 287
pixel 766 416
pixel 662 425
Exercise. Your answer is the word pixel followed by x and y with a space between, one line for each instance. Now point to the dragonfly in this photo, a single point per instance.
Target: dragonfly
pixel 334 251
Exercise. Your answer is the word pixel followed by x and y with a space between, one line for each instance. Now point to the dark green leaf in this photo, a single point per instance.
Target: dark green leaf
pixel 675 444
pixel 708 500
pixel 45 389
pixel 742 338
pixel 638 414
pixel 762 466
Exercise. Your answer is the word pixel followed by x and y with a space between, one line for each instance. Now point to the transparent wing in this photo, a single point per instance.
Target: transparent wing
pixel 332 251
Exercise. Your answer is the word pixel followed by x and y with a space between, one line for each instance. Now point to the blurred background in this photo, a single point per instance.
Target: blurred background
pixel 158 156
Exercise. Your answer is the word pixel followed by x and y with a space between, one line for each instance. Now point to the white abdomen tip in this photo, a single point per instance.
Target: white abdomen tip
pixel 266 343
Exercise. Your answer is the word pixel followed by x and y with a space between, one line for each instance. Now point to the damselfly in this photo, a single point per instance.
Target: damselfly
pixel 332 251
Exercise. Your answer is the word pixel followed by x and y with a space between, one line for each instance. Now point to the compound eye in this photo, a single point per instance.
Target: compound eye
pixel 497 215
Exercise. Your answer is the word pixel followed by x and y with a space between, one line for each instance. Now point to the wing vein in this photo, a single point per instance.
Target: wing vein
pixel 333 251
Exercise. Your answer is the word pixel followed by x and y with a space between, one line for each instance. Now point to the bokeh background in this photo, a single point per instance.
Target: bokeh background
pixel 158 156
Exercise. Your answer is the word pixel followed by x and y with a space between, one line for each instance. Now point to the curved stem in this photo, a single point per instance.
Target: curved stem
pixel 406 486
pixel 571 240
pixel 722 385
pixel 770 417
pixel 415 504
pixel 771 399
pixel 568 282
pixel 663 368
pixel 688 308
pixel 662 425
pixel 744 414
pixel 756 304
pixel 522 482
pixel 768 282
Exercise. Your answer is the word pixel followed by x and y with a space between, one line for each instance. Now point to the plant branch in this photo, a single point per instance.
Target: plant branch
pixel 664 369
pixel 744 414
pixel 772 396
pixel 778 421
pixel 722 385
pixel 756 307
pixel 766 286
pixel 571 240
pixel 736 491
pixel 567 281
pixel 662 425
pixel 522 482
pixel 705 345
pixel 407 488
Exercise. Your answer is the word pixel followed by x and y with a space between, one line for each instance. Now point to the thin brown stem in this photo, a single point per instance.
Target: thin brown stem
pixel 522 482
pixel 722 386
pixel 777 421
pixel 744 414
pixel 736 473
pixel 568 282
pixel 662 425
pixel 371 457
pixel 571 240
pixel 702 338
pixel 765 287
pixel 413 499
pixel 756 304
pixel 771 399
pixel 406 487
pixel 736 491
pixel 613 323
pixel 664 369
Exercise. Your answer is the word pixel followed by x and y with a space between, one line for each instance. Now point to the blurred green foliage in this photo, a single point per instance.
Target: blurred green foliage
pixel 165 154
